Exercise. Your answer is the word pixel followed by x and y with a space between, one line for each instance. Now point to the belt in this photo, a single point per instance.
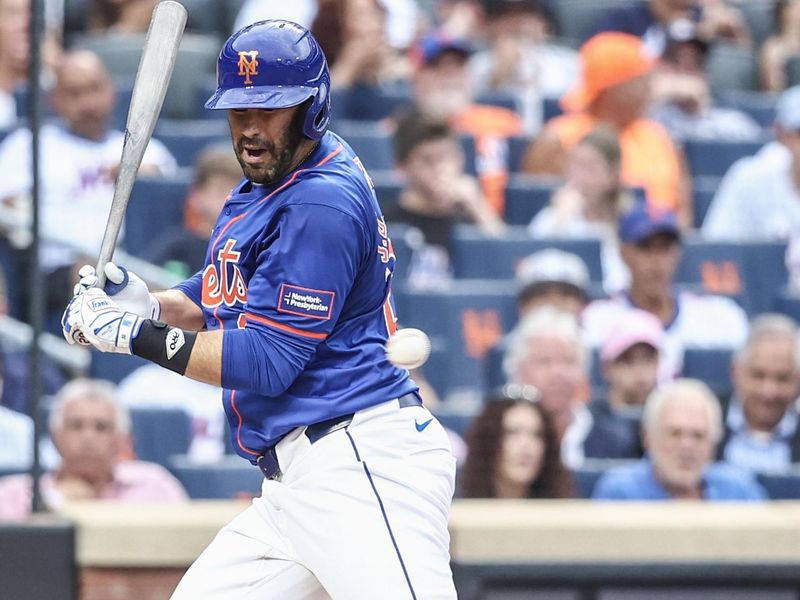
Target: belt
pixel 268 462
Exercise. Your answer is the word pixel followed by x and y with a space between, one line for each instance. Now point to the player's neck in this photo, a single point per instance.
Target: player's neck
pixel 303 151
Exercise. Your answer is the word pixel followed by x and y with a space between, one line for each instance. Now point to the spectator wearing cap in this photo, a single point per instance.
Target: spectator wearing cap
pixel 443 87
pixel 759 197
pixel 546 351
pixel 682 99
pixel 552 277
pixel 681 427
pixel 521 59
pixel 651 248
pixel 590 201
pixel 651 20
pixel 762 431
pixel 615 89
pixel 437 195
pixel 629 358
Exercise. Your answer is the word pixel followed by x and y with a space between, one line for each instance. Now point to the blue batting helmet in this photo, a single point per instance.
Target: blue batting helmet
pixel 275 64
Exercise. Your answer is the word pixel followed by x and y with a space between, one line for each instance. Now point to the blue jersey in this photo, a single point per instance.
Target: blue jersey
pixel 298 275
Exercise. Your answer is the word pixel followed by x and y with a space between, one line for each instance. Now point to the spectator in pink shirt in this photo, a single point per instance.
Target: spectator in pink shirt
pixel 90 429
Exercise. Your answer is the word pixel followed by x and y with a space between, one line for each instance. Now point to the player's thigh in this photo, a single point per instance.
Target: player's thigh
pixel 380 520
pixel 240 564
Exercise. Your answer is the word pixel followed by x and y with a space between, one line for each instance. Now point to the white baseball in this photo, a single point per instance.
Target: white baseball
pixel 408 348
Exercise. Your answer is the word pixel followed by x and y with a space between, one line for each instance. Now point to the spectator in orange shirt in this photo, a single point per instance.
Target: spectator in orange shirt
pixel 442 86
pixel 615 89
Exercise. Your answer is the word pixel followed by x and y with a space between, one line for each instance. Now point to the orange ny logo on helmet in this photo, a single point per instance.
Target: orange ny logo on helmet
pixel 248 65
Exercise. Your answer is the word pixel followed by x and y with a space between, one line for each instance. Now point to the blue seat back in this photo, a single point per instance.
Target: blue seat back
pixel 464 322
pixel 710 365
pixel 716 157
pixel 156 205
pixel 185 139
pixel 477 256
pixel 230 478
pixel 160 433
pixel 525 197
pixel 752 271
pixel 781 486
pixel 113 367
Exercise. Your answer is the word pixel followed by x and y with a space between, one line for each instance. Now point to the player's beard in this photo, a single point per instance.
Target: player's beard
pixel 277 158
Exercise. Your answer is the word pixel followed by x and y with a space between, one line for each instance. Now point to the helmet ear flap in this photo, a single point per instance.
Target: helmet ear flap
pixel 318 114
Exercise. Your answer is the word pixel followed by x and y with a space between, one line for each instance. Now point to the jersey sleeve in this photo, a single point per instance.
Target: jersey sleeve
pixel 304 276
pixel 192 288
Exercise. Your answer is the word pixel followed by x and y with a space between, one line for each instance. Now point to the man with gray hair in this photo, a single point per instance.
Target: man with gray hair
pixel 547 352
pixel 681 427
pixel 761 425
pixel 90 429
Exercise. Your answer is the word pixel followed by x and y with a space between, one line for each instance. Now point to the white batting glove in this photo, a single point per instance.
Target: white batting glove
pixel 127 289
pixel 100 321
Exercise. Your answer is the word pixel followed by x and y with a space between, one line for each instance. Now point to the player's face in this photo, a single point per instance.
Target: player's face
pixel 88 440
pixel 266 141
pixel 766 381
pixel 680 443
pixel 522 449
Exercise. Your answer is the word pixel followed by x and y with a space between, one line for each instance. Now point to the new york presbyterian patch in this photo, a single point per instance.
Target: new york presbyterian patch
pixel 305 302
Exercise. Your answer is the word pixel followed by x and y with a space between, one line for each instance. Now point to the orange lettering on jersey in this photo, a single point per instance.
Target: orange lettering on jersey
pixel 226 285
pixel 481 330
pixel 248 65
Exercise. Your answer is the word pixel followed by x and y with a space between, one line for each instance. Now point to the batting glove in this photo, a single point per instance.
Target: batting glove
pixel 127 289
pixel 100 321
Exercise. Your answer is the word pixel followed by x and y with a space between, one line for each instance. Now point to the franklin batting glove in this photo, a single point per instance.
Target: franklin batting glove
pixel 127 289
pixel 103 323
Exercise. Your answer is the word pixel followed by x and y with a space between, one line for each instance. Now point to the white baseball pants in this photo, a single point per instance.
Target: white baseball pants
pixel 360 514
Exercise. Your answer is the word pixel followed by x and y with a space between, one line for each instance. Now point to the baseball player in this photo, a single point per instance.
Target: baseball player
pixel 290 316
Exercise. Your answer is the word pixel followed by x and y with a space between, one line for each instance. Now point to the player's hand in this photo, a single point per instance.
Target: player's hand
pixel 102 323
pixel 127 289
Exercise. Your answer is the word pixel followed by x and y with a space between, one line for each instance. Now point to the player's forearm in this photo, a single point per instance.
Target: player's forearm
pixel 205 362
pixel 179 311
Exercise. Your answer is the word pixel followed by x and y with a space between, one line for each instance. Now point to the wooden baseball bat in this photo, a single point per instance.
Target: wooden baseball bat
pixel 149 89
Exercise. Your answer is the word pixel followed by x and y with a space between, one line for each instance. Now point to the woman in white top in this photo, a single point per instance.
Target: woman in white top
pixel 589 202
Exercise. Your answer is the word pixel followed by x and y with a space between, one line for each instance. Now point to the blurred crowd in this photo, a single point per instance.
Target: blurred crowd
pixel 642 131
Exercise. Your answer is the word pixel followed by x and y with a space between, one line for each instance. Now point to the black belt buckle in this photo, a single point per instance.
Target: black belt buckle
pixel 268 463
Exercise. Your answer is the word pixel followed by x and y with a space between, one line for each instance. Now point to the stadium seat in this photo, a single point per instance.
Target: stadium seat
pixel 204 16
pixel 367 103
pixel 759 105
pixel 715 157
pixel 759 17
pixel 793 71
pixel 476 256
pixel 782 486
pixel 575 19
pixel 751 272
pixel 197 56
pixel 388 185
pixel 113 367
pixel 710 365
pixel 585 477
pixel 371 141
pixel 732 68
pixel 232 477
pixel 787 303
pixel 464 322
pixel 703 191
pixel 517 147
pixel 185 139
pixel 156 204
pixel 525 197
pixel 160 433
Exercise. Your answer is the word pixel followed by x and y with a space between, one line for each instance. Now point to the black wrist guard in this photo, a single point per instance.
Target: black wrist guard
pixel 167 346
